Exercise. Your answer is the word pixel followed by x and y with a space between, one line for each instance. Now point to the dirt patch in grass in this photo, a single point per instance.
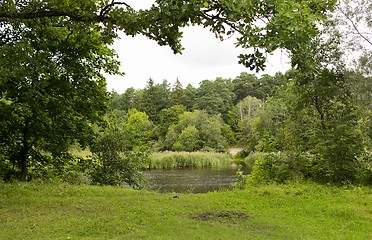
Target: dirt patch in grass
pixel 232 217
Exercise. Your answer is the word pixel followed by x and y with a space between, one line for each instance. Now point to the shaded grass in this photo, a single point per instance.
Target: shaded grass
pixel 298 211
pixel 188 159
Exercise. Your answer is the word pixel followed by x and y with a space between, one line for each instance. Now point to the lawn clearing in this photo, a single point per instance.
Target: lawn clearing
pixel 298 211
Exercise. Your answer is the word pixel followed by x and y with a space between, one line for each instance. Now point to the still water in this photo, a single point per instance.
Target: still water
pixel 191 180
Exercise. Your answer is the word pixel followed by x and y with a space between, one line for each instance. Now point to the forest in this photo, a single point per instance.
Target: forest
pixel 267 114
pixel 313 122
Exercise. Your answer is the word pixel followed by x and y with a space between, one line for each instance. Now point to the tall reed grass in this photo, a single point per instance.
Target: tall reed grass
pixel 188 159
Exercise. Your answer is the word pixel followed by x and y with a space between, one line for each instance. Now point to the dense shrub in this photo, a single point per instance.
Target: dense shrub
pixel 279 167
pixel 365 174
pixel 283 167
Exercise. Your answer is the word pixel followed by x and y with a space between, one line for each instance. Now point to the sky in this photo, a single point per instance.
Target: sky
pixel 205 58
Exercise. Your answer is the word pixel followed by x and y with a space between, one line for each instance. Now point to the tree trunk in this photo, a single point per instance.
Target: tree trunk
pixel 321 114
pixel 240 111
pixel 25 150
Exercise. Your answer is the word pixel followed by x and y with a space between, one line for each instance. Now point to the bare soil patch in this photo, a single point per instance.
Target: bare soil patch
pixel 222 217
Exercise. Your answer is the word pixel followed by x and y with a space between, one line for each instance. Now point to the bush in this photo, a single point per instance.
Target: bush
pixel 279 167
pixel 242 154
pixel 288 166
pixel 118 155
pixel 365 176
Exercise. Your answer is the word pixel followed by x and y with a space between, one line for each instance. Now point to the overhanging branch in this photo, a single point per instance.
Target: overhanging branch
pixel 48 14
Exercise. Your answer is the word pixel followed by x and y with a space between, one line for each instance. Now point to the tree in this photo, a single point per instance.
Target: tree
pixel 207 132
pixel 169 117
pixel 151 102
pixel 188 97
pixel 215 97
pixel 165 94
pixel 333 130
pixel 52 87
pixel 261 88
pixel 188 140
pixel 120 151
pixel 259 123
pixel 116 101
pixel 125 101
pixel 352 20
pixel 53 54
pixel 177 93
pixel 246 108
pixel 243 86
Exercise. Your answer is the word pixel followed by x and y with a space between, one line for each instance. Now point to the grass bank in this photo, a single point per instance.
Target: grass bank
pixel 62 211
pixel 188 159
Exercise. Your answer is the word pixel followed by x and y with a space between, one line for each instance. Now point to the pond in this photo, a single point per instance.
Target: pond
pixel 191 180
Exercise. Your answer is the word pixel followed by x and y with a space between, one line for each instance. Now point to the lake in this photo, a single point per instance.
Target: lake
pixel 191 180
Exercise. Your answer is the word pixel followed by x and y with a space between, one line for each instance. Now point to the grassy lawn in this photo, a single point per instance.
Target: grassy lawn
pixel 299 211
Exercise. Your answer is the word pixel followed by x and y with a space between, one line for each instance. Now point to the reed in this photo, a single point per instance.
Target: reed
pixel 188 159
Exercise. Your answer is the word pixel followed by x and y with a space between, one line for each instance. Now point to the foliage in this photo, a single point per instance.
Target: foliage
pixel 243 86
pixel 282 25
pixel 246 108
pixel 119 153
pixel 279 167
pixel 169 117
pixel 151 100
pixel 195 131
pixel 177 93
pixel 215 97
pixel 188 140
pixel 47 65
pixel 125 101
pixel 351 20
pixel 188 97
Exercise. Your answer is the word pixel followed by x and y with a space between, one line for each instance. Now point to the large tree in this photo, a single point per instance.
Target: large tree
pixel 52 87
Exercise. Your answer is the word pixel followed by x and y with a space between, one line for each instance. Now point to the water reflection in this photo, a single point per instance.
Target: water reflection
pixel 191 180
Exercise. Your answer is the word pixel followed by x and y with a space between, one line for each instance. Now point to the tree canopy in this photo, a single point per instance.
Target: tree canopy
pixel 262 25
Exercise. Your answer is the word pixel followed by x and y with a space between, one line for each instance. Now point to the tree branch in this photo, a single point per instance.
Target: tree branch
pixel 113 3
pixel 354 26
pixel 55 13
pixel 42 14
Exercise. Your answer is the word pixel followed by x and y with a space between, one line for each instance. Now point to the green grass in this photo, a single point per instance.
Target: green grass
pixel 298 211
pixel 188 159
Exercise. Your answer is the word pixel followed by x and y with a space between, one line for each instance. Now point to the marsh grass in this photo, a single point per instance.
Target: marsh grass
pixel 188 159
pixel 297 211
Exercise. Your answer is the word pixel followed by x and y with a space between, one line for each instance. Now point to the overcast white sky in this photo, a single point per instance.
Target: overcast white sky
pixel 204 57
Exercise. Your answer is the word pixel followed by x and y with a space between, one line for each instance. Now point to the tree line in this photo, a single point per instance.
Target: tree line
pixel 213 102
